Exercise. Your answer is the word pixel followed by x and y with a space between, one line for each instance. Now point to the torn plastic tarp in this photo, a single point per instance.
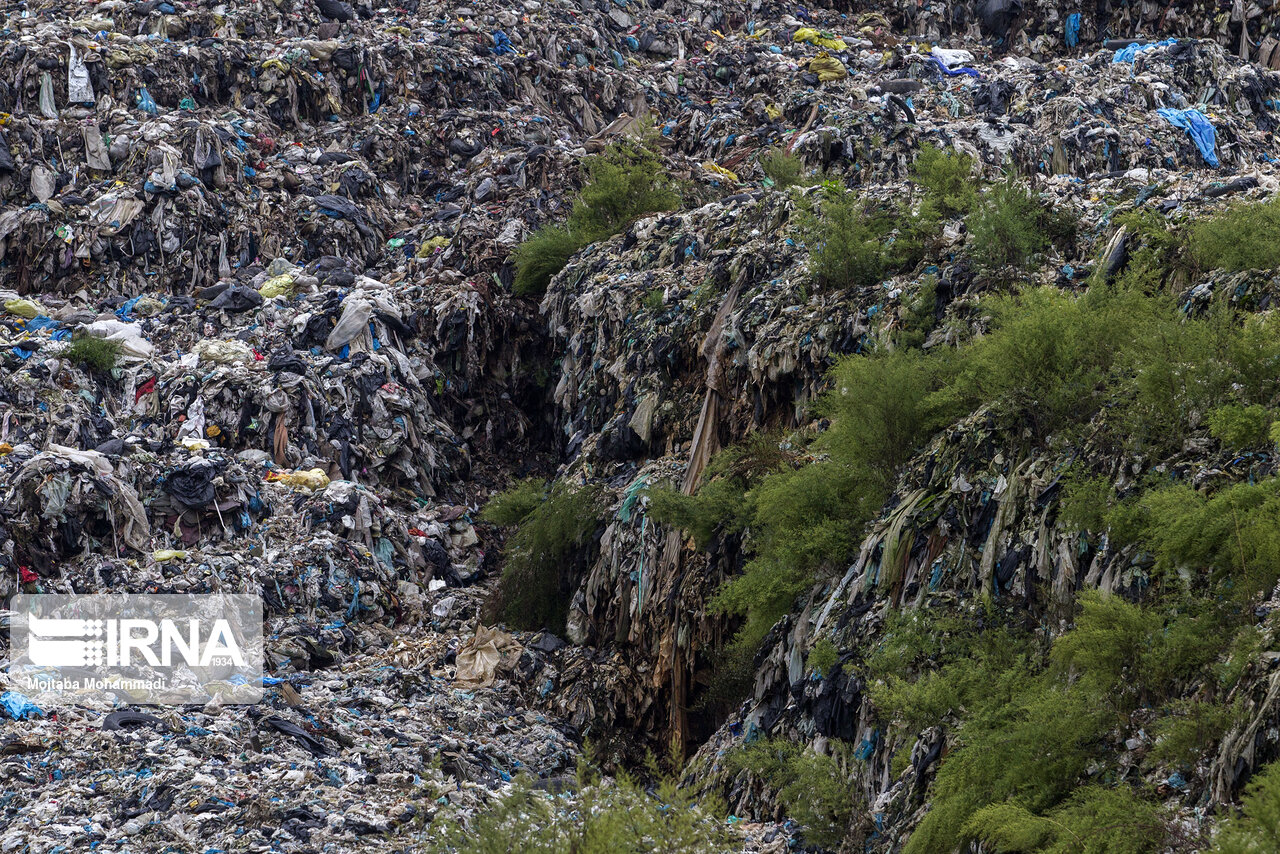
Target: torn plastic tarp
pixel 1199 127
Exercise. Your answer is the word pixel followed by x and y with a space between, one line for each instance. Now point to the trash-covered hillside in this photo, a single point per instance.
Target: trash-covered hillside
pixel 653 426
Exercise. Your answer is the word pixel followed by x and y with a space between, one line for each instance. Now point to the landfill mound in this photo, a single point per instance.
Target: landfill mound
pixel 258 335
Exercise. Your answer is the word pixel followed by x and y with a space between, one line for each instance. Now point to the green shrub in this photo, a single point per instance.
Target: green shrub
pixel 623 183
pixel 545 554
pixel 883 409
pixel 96 354
pixel 541 256
pixel 1243 237
pixel 918 315
pixel 1008 226
pixel 1239 427
pixel 1257 829
pixel 823 657
pixel 845 249
pixel 1084 504
pixel 1189 729
pixel 781 167
pixel 1016 774
pixel 812 788
pixel 1046 357
pixel 515 504
pixel 946 176
pixel 599 817
pixel 1232 535
pixel 1095 820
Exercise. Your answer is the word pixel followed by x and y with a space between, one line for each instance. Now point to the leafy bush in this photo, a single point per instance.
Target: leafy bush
pixel 600 817
pixel 882 409
pixel 1008 226
pixel 812 788
pixel 1046 356
pixel 1015 776
pixel 1188 729
pixel 1231 534
pixel 1243 237
pixel 946 176
pixel 782 167
pixel 1257 829
pixel 918 318
pixel 97 354
pixel 1084 504
pixel 623 183
pixel 1239 427
pixel 545 553
pixel 1095 820
pixel 543 254
pixel 823 657
pixel 515 504
pixel 846 250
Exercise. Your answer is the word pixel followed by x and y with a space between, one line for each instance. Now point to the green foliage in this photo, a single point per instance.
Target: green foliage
pixel 96 354
pixel 1257 829
pixel 1239 427
pixel 782 167
pixel 918 315
pixel 1095 820
pixel 623 183
pixel 1008 226
pixel 1046 356
pixel 882 409
pixel 512 506
pixel 653 300
pixel 1189 729
pixel 543 254
pixel 1027 733
pixel 1232 534
pixel 1243 237
pixel 823 657
pixel 813 788
pixel 947 178
pixel 1084 503
pixel 847 250
pixel 599 818
pixel 545 551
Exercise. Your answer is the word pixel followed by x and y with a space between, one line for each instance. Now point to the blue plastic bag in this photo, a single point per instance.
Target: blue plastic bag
pixel 1127 54
pixel 1073 29
pixel 1199 128
pixel 146 103
pixel 19 707
pixel 502 43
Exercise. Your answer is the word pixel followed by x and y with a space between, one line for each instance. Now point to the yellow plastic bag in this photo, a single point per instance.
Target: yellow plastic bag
pixel 429 246
pixel 277 287
pixel 819 38
pixel 720 170
pixel 22 307
pixel 162 555
pixel 313 479
pixel 827 67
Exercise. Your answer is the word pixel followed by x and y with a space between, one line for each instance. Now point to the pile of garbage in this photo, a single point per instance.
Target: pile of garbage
pixel 257 335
